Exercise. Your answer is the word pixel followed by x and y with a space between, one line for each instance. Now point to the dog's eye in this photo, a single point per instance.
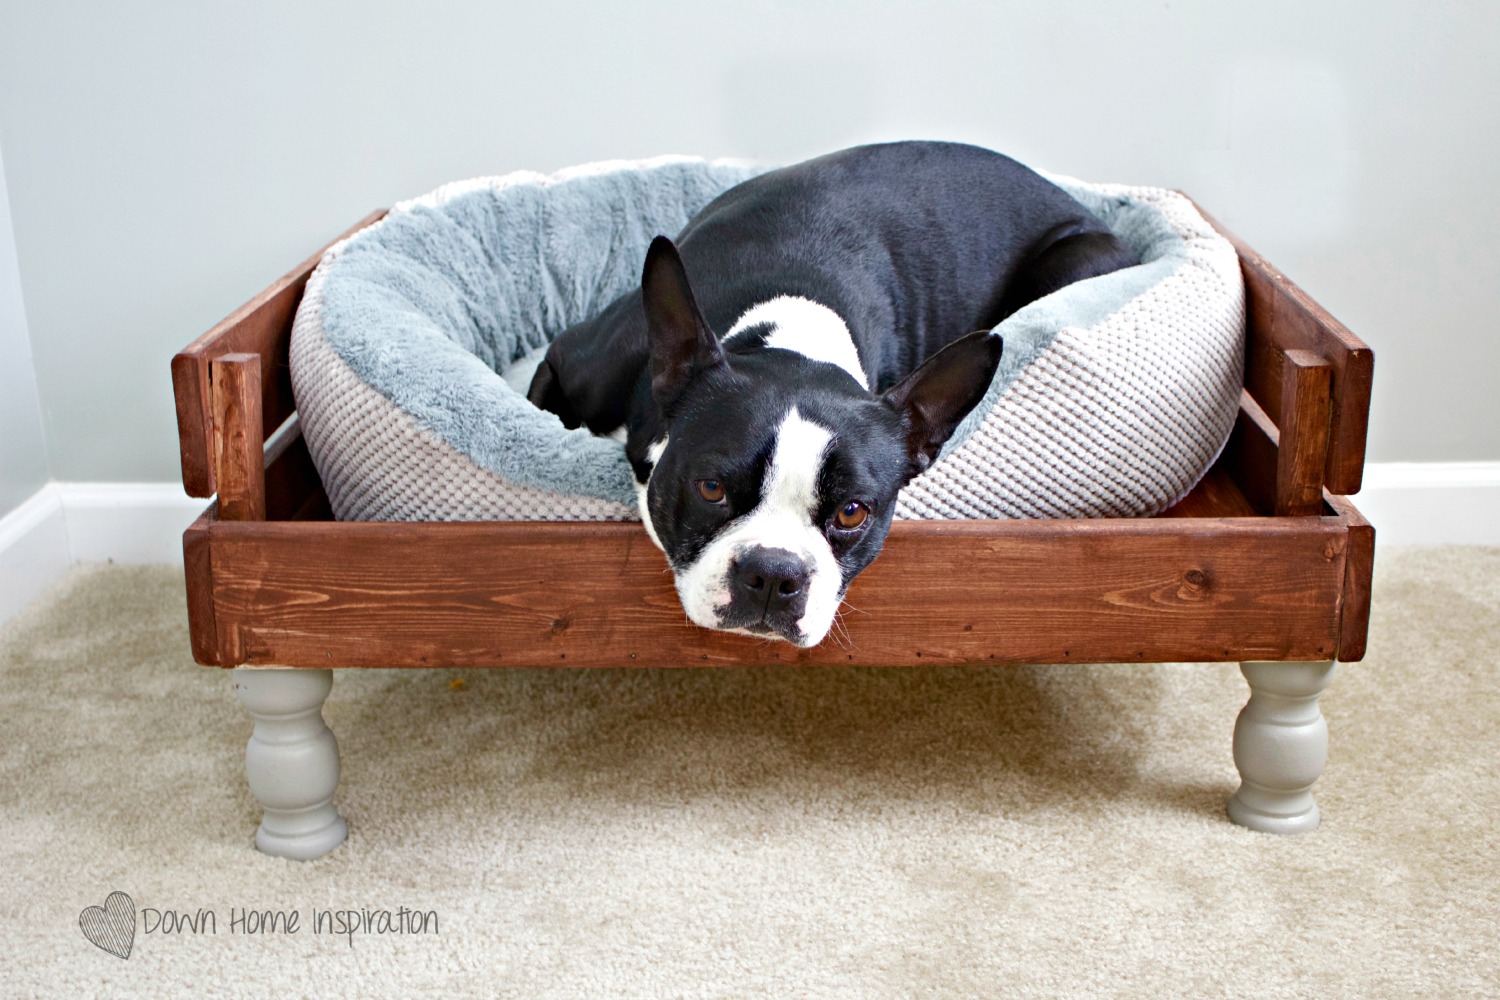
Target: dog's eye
pixel 711 490
pixel 851 515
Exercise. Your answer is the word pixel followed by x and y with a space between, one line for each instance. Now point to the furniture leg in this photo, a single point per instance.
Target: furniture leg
pixel 1280 746
pixel 292 760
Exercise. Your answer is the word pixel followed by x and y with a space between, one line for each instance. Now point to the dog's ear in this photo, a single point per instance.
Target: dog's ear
pixel 935 397
pixel 682 345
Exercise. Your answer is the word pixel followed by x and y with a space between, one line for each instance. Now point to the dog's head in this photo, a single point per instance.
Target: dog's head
pixel 776 479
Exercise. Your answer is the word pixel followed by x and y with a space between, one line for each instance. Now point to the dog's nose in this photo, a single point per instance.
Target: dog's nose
pixel 772 578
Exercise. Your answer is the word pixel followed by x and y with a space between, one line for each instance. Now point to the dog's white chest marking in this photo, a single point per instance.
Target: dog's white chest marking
pixel 806 327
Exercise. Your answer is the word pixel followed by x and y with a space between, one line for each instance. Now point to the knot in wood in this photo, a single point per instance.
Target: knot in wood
pixel 1195 585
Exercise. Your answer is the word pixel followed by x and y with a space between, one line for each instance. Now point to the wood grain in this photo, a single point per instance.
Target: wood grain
pixel 239 437
pixel 197 560
pixel 1251 456
pixel 262 327
pixel 1302 443
pixel 1359 573
pixel 533 594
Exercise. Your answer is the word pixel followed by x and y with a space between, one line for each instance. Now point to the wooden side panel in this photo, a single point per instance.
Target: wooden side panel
pixel 528 594
pixel 291 478
pixel 1359 573
pixel 1282 317
pixel 1302 447
pixel 262 327
pixel 197 561
pixel 239 457
pixel 1251 456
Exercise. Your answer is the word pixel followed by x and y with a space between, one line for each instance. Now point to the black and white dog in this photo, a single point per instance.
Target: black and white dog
pixel 818 361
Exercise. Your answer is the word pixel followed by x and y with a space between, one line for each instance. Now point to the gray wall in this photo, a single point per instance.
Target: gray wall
pixel 166 160
pixel 23 447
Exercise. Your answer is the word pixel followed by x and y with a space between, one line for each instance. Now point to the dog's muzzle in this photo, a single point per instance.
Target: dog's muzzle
pixel 768 591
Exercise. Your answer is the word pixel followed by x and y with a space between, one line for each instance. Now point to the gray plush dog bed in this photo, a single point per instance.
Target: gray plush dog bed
pixel 1114 396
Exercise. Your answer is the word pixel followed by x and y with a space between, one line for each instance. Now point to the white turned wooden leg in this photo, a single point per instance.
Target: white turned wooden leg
pixel 1280 746
pixel 292 760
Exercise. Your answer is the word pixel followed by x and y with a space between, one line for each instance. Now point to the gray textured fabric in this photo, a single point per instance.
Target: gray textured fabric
pixel 1113 399
pixel 428 305
pixel 378 464
pixel 426 309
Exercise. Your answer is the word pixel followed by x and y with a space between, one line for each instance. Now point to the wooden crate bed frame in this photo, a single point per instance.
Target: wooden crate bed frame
pixel 1266 563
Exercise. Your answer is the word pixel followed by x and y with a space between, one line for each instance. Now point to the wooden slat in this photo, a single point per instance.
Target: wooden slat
pixel 261 327
pixel 198 568
pixel 1278 480
pixel 1282 317
pixel 530 594
pixel 239 437
pixel 1302 446
pixel 291 478
pixel 1359 573
pixel 314 507
pixel 1251 456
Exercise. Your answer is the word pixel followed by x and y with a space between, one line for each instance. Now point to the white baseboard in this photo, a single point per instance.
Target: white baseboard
pixel 34 550
pixel 131 523
pixel 1410 503
pixel 1432 503
pixel 67 523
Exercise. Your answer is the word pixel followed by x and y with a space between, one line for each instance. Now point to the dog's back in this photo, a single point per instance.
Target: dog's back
pixel 922 238
pixel 912 244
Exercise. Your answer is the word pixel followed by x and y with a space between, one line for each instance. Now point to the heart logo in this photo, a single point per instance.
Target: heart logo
pixel 111 926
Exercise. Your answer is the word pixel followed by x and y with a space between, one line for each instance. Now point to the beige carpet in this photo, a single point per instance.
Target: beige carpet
pixel 987 832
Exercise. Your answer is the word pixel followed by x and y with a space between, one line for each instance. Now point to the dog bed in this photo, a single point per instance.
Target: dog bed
pixel 1266 562
pixel 1113 398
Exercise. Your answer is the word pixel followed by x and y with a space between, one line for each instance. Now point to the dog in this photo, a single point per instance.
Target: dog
pixel 773 406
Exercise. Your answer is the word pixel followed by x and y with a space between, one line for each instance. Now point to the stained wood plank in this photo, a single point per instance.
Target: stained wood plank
pixel 292 483
pixel 198 568
pixel 314 507
pixel 262 327
pixel 239 457
pixel 1302 446
pixel 1282 317
pixel 1359 573
pixel 1251 456
pixel 527 594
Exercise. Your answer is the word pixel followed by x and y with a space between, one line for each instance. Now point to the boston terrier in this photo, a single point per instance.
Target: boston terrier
pixel 821 355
